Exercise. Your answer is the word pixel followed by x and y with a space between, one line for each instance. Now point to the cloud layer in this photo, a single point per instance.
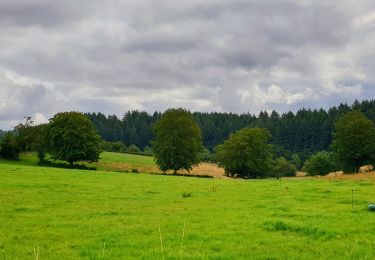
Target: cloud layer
pixel 238 56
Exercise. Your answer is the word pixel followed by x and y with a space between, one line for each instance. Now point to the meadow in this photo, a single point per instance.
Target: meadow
pixel 52 213
pixel 121 162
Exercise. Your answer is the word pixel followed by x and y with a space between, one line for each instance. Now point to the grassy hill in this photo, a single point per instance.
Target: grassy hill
pixel 121 162
pixel 70 214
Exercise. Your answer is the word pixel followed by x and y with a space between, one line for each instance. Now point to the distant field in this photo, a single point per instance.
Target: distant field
pixel 70 214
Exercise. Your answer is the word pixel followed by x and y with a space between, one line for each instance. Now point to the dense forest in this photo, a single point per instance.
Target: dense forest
pixel 304 132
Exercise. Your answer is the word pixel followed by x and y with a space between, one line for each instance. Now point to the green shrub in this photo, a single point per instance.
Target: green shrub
pixel 117 147
pixel 206 156
pixel 296 160
pixel 320 163
pixel 284 168
pixel 148 151
pixel 134 149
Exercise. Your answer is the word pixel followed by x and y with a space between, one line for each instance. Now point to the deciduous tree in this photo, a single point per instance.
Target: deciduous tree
pixel 246 153
pixel 354 140
pixel 9 146
pixel 71 137
pixel 177 142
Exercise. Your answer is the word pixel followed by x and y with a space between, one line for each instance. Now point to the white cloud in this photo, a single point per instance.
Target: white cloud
pixel 274 95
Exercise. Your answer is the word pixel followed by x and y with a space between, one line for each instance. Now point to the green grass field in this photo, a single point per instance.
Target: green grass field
pixel 108 161
pixel 50 213
pixel 137 160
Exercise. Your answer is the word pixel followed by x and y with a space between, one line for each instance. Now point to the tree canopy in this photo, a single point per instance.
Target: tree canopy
pixel 246 153
pixel 354 140
pixel 9 146
pixel 71 137
pixel 178 141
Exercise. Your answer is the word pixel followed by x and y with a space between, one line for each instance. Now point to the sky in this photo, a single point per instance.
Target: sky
pixel 203 55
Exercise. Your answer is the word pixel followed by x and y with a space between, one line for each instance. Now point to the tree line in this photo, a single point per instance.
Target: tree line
pixel 177 140
pixel 248 153
pixel 302 133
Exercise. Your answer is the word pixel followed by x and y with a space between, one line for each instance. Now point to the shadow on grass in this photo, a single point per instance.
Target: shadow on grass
pixel 184 175
pixel 311 232
pixel 47 163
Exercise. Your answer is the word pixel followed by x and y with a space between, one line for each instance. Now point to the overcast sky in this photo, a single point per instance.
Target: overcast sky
pixel 204 55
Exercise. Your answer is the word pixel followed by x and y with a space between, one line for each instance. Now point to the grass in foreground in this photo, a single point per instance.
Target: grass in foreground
pixel 69 214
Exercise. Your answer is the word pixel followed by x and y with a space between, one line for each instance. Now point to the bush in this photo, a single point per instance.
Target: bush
pixel 320 163
pixel 206 156
pixel 133 149
pixel 296 160
pixel 148 151
pixel 284 168
pixel 117 147
pixel 9 147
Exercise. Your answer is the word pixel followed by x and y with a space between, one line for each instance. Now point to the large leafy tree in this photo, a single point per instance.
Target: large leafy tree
pixel 246 153
pixel 354 140
pixel 178 141
pixel 71 137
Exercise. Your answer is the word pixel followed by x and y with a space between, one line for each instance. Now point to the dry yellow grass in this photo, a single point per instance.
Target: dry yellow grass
pixel 357 177
pixel 202 169
pixel 126 167
pixel 208 169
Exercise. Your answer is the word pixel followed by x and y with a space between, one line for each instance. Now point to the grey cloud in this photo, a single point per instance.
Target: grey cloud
pixel 43 13
pixel 238 56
